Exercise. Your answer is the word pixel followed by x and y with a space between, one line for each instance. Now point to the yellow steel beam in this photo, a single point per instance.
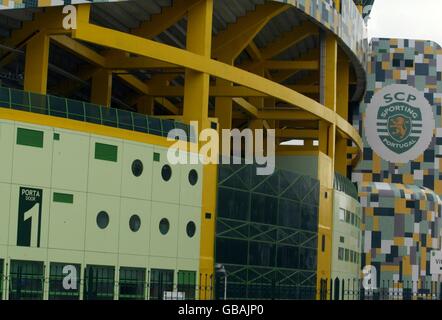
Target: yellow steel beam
pixel 291 65
pixel 68 86
pixel 283 75
pixel 297 133
pixel 101 91
pixel 196 88
pixel 79 49
pixel 223 91
pixel 165 19
pixel 286 115
pixel 229 44
pixel 289 39
pixel 284 42
pixel 145 105
pixel 327 143
pixel 48 21
pixel 215 91
pixel 36 64
pixel 254 20
pixel 304 88
pixel 144 47
pixel 134 82
pixel 254 51
pixel 196 100
pixel 247 106
pixel 126 63
pixel 168 105
pixel 343 74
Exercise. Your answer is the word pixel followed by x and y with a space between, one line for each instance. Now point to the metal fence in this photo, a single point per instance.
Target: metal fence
pixel 353 289
pixel 102 286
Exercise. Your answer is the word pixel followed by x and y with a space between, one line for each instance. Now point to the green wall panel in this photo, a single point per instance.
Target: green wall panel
pixel 106 152
pixel 63 197
pixel 30 138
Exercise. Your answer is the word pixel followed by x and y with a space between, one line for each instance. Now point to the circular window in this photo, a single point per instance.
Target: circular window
pixel 190 229
pixel 193 177
pixel 166 172
pixel 134 223
pixel 137 168
pixel 164 226
pixel 102 220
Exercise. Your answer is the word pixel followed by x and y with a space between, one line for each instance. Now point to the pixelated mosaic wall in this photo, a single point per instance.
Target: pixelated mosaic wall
pixel 401 212
pixel 401 227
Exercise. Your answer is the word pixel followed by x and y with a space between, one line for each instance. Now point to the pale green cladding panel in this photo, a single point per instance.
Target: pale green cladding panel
pixel 5 194
pixel 32 166
pixel 191 185
pixel 189 244
pixel 70 161
pixel 138 187
pixel 77 185
pixel 102 239
pixel 67 222
pixel 165 191
pixel 164 241
pixel 6 137
pixel 105 175
pixel 134 225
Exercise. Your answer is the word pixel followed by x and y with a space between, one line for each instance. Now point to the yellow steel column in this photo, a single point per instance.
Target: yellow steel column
pixel 224 106
pixel 327 134
pixel 145 105
pixel 196 87
pixel 101 92
pixel 196 100
pixel 342 110
pixel 258 102
pixel 36 65
pixel 338 5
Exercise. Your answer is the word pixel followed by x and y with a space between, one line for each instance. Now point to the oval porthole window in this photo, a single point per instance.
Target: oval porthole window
pixel 102 220
pixel 135 223
pixel 166 172
pixel 164 226
pixel 193 177
pixel 137 168
pixel 191 229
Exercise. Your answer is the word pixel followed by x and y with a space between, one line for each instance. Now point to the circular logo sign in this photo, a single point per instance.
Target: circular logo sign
pixel 399 123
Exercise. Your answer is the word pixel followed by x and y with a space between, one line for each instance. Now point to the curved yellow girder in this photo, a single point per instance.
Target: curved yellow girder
pixel 158 51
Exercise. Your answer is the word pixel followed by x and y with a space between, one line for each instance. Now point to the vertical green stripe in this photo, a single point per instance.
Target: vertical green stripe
pixel 106 152
pixel 31 138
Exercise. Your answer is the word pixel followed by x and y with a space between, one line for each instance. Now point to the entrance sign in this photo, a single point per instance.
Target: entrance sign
pixel 29 217
pixel 399 124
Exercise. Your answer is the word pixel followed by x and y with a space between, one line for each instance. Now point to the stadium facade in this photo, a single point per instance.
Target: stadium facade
pixel 89 92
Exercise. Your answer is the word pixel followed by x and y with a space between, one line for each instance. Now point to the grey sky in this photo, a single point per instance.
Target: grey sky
pixel 410 19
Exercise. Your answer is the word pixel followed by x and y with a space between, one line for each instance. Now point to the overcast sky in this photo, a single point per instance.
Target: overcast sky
pixel 410 19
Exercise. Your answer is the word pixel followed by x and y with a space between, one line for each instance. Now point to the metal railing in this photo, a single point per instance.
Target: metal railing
pixel 353 289
pixel 91 113
pixel 35 287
